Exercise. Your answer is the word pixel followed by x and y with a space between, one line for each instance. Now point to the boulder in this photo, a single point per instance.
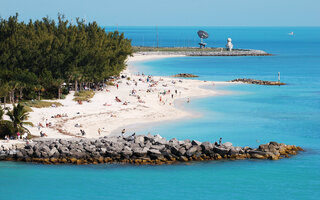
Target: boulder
pixel 139 139
pixel 155 154
pixel 221 150
pixel 193 150
pixel 173 142
pixel 140 152
pixel 227 144
pixel 195 142
pixel 158 147
pixel 52 152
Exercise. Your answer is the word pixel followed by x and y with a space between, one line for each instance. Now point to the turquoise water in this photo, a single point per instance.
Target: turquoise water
pixel 251 115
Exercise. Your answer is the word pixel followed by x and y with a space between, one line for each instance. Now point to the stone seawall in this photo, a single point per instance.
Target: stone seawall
pixel 141 149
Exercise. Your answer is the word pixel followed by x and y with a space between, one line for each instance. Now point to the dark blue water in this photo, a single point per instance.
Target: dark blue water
pixel 251 115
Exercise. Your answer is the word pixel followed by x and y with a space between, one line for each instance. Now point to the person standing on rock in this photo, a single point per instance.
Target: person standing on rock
pixel 220 141
pixel 123 132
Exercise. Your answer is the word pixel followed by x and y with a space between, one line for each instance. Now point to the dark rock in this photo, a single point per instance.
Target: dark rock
pixel 155 154
pixel 221 150
pixel 195 142
pixel 193 150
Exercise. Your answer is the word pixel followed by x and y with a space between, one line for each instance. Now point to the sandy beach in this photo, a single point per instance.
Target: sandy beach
pixel 143 100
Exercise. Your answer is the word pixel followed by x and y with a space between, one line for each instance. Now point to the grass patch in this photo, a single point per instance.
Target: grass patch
pixel 110 83
pixel 39 104
pixel 83 95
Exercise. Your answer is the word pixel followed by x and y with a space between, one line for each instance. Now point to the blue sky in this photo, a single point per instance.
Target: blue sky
pixel 172 12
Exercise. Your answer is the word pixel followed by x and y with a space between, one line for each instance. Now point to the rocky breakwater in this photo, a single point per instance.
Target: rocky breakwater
pixel 257 82
pixel 185 75
pixel 141 149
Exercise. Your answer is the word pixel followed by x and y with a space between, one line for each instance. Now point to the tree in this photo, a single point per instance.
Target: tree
pixel 1 113
pixel 18 115
pixel 44 52
pixel 4 91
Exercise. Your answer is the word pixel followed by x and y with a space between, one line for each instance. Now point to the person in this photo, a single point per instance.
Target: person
pixel 172 96
pixel 188 101
pixel 99 131
pixel 131 138
pixel 42 134
pixel 117 86
pixel 18 135
pixel 220 141
pixel 7 138
pixel 25 135
pixel 123 132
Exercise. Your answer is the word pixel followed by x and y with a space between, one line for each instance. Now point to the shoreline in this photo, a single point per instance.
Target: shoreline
pixel 93 116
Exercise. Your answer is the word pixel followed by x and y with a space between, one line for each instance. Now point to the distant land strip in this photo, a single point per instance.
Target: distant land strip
pixel 194 51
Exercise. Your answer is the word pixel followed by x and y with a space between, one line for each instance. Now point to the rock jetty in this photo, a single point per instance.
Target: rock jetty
pixel 142 149
pixel 184 75
pixel 244 52
pixel 257 82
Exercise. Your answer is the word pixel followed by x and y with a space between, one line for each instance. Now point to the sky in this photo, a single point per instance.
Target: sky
pixel 171 12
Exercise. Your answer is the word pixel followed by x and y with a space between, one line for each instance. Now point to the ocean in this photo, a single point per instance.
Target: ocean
pixel 248 116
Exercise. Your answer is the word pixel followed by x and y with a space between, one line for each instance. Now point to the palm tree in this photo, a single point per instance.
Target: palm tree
pixel 18 115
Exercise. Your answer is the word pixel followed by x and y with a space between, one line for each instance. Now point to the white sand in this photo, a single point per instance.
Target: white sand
pixel 95 115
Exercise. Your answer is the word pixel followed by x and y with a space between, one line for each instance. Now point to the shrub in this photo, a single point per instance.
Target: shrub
pixel 6 128
pixel 83 95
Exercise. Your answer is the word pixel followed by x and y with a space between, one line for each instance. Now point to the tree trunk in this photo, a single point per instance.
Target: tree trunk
pixel 12 96
pixel 59 92
pixel 76 86
pixel 20 93
pixel 4 101
pixel 81 86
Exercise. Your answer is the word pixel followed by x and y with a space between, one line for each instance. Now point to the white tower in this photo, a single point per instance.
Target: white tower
pixel 229 45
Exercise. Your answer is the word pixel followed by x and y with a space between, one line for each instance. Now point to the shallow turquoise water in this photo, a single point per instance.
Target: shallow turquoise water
pixel 251 115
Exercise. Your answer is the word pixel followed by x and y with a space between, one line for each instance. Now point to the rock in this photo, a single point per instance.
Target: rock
pixel 195 142
pixel 52 152
pixel 274 143
pixel 183 159
pixel 173 142
pixel 155 154
pixel 139 139
pixel 140 152
pixel 158 147
pixel 227 144
pixel 221 150
pixel 206 147
pixel 193 150
pixel 19 154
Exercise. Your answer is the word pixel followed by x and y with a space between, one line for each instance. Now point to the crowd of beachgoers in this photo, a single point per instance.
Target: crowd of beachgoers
pixel 135 98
